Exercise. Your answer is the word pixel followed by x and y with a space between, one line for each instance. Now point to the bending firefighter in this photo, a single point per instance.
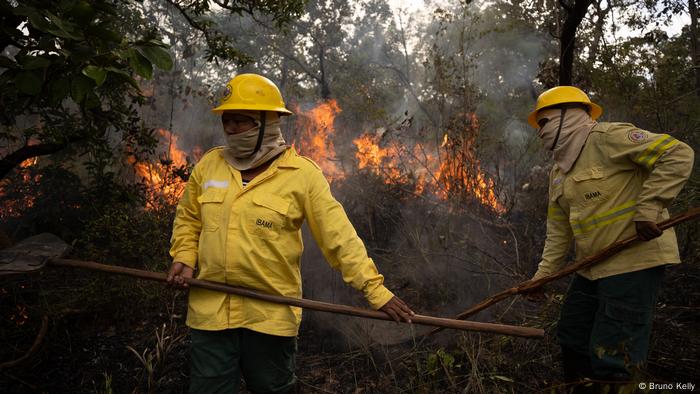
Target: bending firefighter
pixel 239 222
pixel 609 181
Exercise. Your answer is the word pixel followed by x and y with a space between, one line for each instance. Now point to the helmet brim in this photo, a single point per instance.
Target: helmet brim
pixel 280 110
pixel 596 112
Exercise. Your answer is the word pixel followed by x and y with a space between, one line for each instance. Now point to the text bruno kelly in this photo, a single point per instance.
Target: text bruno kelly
pixel 667 386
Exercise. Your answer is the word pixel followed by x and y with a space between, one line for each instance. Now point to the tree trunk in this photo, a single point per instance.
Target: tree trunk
pixel 598 31
pixel 574 16
pixel 15 158
pixel 325 89
pixel 695 42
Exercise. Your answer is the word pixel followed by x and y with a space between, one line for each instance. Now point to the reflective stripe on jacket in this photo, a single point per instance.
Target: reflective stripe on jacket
pixel 251 237
pixel 622 175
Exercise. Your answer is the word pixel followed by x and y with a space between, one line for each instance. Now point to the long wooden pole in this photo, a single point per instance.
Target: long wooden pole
pixel 604 254
pixel 526 332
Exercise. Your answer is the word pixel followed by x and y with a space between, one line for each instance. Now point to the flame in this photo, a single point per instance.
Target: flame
pixel 378 160
pixel 453 172
pixel 164 186
pixel 447 170
pixel 29 162
pixel 14 208
pixel 316 138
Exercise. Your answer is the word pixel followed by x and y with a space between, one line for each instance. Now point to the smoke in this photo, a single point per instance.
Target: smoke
pixel 439 257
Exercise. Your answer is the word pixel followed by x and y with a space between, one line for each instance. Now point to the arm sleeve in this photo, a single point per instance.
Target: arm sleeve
pixel 558 241
pixel 340 244
pixel 668 161
pixel 187 225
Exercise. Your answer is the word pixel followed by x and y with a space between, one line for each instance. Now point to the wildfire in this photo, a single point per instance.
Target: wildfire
pixel 380 161
pixel 29 162
pixel 453 172
pixel 164 186
pixel 316 138
pixel 448 170
pixel 15 207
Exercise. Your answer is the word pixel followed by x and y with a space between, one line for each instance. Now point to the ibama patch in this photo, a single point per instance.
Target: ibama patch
pixel 637 136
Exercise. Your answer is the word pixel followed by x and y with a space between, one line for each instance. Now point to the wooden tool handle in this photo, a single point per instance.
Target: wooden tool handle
pixel 604 254
pixel 526 332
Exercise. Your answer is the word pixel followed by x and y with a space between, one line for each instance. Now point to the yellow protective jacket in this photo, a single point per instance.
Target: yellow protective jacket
pixel 251 237
pixel 623 174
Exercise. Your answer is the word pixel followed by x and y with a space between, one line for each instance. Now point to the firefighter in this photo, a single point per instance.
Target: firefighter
pixel 239 222
pixel 609 181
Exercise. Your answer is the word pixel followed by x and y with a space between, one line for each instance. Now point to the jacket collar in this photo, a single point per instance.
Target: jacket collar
pixel 288 159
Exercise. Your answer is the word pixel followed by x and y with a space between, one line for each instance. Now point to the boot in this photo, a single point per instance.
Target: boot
pixel 576 368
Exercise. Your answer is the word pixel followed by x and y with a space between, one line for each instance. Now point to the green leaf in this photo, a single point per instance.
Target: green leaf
pixel 28 82
pixel 65 29
pixel 126 76
pixel 82 12
pixel 140 64
pixel 99 74
pixel 24 11
pixel 103 33
pixel 58 90
pixel 91 100
pixel 39 22
pixel 81 53
pixel 158 56
pixel 80 85
pixel 34 62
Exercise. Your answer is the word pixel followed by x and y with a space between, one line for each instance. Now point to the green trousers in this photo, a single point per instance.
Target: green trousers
pixel 220 358
pixel 608 321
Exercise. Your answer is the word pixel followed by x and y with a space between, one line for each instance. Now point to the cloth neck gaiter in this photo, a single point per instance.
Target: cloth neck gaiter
pixel 240 147
pixel 577 125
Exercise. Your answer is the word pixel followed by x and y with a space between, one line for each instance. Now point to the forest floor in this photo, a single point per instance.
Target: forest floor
pixel 108 335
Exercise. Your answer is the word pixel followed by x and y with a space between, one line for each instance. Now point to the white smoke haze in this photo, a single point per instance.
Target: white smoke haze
pixel 439 259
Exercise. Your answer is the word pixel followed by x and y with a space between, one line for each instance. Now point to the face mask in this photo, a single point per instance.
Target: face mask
pixel 241 153
pixel 565 136
pixel 243 144
pixel 548 132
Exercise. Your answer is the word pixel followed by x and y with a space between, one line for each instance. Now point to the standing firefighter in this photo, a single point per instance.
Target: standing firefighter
pixel 609 181
pixel 239 222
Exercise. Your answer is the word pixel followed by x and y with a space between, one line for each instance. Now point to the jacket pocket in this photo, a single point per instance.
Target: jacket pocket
pixel 589 187
pixel 277 204
pixel 211 202
pixel 268 216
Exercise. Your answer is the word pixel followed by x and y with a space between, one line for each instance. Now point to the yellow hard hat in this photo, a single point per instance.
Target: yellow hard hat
pixel 561 95
pixel 252 92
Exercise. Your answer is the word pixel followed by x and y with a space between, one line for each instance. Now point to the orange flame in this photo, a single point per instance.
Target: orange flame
pixel 454 171
pixel 164 187
pixel 316 139
pixel 378 160
pixel 14 208
pixel 29 162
